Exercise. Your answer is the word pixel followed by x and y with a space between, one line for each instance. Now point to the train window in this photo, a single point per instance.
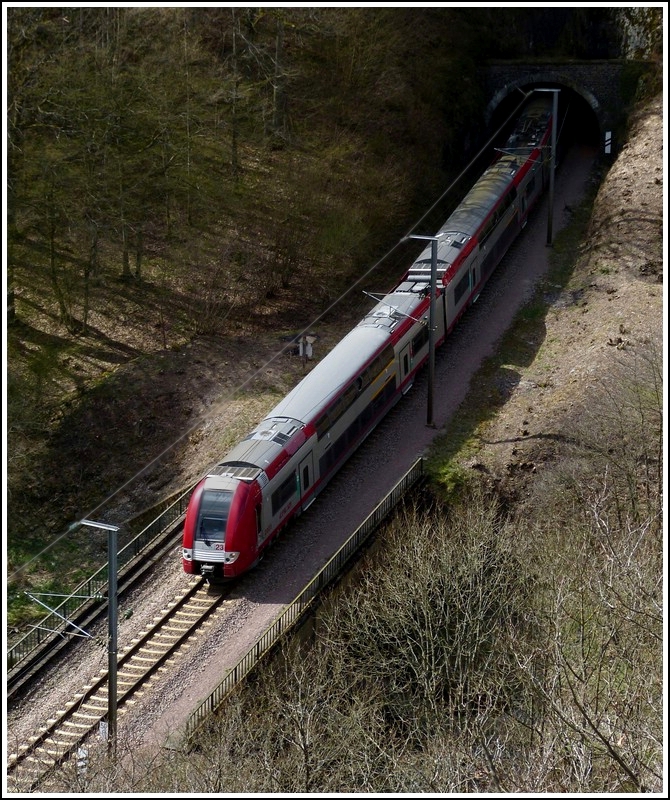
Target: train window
pixel 461 288
pixel 420 339
pixel 381 362
pixel 497 215
pixel 335 411
pixel 341 405
pixel 322 425
pixel 305 478
pixel 486 231
pixel 351 393
pixel 214 509
pixel 284 493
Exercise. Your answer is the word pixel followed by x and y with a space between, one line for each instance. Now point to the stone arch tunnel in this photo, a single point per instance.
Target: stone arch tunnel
pixel 592 105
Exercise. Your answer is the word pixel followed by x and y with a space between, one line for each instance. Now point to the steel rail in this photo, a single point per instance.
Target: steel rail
pixel 62 735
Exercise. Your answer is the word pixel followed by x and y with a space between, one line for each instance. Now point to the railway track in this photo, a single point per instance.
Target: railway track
pixel 21 677
pixel 63 735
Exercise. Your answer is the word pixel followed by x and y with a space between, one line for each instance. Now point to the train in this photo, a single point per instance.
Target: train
pixel 277 471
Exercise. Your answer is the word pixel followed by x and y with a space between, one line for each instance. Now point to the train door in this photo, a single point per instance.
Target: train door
pixel 306 479
pixel 440 315
pixel 405 363
pixel 524 210
pixel 473 282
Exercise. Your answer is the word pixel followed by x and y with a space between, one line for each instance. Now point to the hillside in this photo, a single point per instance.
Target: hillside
pixel 605 320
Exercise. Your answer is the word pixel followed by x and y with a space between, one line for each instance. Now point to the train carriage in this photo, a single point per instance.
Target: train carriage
pixel 280 467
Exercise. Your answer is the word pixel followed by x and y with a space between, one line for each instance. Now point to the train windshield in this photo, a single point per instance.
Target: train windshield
pixel 214 508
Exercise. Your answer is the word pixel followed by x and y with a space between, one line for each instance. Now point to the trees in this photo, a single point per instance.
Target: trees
pixel 101 149
pixel 68 188
pixel 436 633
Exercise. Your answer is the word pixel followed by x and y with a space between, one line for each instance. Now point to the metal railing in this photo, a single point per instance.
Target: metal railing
pixel 94 589
pixel 295 610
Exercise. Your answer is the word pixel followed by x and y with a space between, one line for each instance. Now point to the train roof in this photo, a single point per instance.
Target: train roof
pixel 468 217
pixel 346 360
pixel 343 364
pixel 487 191
pixel 333 373
pixel 258 449
pixel 483 197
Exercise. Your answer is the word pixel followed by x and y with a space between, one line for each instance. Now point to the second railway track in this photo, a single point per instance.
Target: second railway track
pixel 60 737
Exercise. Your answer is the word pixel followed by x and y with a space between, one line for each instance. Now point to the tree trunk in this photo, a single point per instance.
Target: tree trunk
pixel 91 268
pixel 139 253
pixel 234 158
pixel 65 316
pixel 278 84
pixel 126 250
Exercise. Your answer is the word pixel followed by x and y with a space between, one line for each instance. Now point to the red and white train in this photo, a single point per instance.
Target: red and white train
pixel 280 467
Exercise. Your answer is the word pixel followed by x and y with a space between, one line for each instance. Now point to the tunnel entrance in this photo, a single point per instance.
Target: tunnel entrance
pixel 578 121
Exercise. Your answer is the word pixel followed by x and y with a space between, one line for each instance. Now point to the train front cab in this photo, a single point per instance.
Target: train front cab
pixel 221 528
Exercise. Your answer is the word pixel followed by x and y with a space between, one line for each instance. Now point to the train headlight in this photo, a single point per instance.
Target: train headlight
pixel 230 557
pixel 187 554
